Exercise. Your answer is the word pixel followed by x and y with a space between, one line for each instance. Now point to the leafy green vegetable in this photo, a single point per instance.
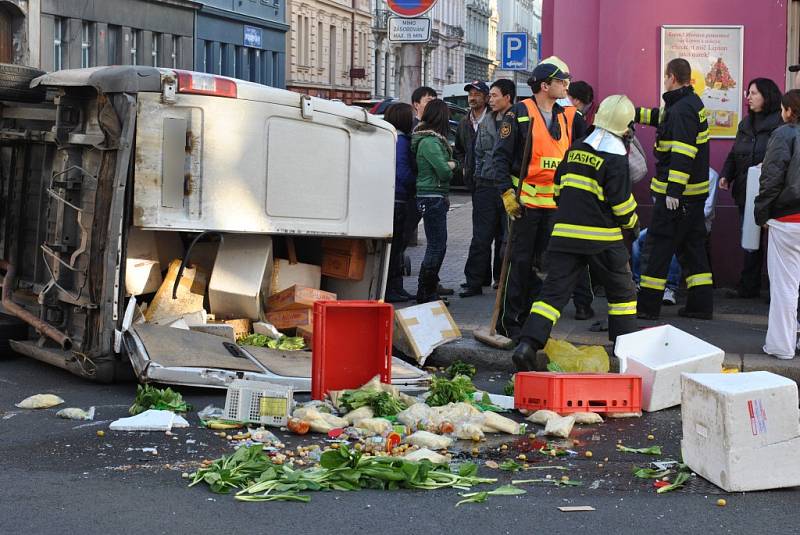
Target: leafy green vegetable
pixel 242 468
pixel 680 479
pixel 460 367
pixel 480 497
pixel 555 482
pixel 444 391
pixel 650 473
pixel 382 403
pixel 284 343
pixel 509 465
pixel 150 397
pixel 508 389
pixel 652 450
pixel 554 367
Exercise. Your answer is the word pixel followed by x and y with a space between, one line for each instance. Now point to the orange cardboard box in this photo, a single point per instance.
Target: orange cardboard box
pixel 289 319
pixel 307 332
pixel 297 297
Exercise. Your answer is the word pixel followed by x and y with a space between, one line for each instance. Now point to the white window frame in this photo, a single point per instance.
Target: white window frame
pixel 134 43
pixel 58 51
pixel 154 53
pixel 174 54
pixel 86 44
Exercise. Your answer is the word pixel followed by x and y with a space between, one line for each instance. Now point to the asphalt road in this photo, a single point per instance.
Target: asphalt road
pixel 58 476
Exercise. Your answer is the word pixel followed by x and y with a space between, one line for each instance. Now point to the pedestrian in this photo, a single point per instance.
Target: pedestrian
pixel 401 116
pixel 595 204
pixel 680 188
pixel 435 167
pixel 581 95
pixel 778 208
pixel 488 214
pixel 763 116
pixel 464 149
pixel 553 128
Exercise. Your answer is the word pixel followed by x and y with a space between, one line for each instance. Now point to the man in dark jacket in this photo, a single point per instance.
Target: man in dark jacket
pixel 680 188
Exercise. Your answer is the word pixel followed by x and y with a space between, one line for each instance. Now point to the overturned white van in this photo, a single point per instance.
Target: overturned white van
pixel 97 164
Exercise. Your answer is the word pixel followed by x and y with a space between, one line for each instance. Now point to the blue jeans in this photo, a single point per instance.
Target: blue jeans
pixel 674 274
pixel 434 219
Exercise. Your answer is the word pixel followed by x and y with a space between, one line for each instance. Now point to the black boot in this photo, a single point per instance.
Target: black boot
pixel 426 287
pixel 524 356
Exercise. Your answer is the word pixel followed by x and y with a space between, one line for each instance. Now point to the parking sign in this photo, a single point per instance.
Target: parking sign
pixel 514 51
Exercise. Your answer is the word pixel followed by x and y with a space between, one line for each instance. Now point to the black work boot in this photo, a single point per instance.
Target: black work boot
pixel 524 356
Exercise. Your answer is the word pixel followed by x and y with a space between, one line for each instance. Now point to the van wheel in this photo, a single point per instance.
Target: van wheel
pixel 15 81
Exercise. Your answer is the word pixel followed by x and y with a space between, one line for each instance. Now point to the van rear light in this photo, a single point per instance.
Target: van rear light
pixel 205 84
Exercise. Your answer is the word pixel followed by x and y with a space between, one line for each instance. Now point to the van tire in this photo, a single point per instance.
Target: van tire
pixel 15 81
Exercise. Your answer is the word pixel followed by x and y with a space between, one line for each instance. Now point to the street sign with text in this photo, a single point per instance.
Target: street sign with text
pixel 410 8
pixel 409 30
pixel 514 51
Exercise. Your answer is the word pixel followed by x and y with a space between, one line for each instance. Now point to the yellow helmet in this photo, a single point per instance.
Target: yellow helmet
pixel 615 114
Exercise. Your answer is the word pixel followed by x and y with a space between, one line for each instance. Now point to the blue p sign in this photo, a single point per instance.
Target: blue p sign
pixel 514 51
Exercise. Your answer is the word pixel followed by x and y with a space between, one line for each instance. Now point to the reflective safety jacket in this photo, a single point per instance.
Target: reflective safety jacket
pixel 681 149
pixel 595 202
pixel 548 149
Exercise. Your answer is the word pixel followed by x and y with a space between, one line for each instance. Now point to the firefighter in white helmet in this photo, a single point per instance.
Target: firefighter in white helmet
pixel 595 205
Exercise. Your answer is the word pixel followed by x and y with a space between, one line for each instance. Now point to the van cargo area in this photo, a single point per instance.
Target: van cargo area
pixel 149 225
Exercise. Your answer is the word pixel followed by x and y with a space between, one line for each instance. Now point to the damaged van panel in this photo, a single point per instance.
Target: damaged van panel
pixel 120 177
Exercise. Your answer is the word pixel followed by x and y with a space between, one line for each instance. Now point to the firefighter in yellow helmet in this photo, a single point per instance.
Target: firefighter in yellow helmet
pixel 554 129
pixel 595 205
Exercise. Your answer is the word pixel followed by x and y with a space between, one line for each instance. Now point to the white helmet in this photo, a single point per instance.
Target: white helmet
pixel 615 114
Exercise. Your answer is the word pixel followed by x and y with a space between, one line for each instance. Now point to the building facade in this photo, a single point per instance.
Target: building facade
pixel 330 48
pixel 481 39
pixel 520 16
pixel 244 39
pixel 443 56
pixel 76 33
pixel 386 54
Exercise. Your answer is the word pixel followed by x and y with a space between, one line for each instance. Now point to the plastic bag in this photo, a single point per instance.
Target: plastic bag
pixel 471 429
pixel 377 426
pixel 426 454
pixel 73 413
pixel 542 416
pixel 577 359
pixel 500 423
pixel 456 412
pixel 560 427
pixel 587 418
pixel 424 439
pixel 419 416
pixel 210 412
pixel 40 401
pixel 355 416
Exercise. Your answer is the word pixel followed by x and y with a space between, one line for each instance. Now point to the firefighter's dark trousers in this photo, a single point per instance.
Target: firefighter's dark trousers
pixel 611 266
pixel 683 232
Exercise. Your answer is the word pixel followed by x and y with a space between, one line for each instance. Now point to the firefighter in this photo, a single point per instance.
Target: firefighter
pixel 595 203
pixel 554 128
pixel 680 188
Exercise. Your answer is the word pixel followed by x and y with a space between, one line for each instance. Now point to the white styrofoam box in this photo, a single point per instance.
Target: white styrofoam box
pixel 285 275
pixel 739 410
pixel 239 284
pixel 772 466
pixel 659 356
pixel 142 276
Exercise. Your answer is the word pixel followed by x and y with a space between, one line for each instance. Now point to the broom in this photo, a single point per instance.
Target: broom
pixel 488 335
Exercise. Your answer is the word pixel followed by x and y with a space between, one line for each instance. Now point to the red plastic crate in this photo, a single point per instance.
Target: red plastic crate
pixel 578 392
pixel 352 343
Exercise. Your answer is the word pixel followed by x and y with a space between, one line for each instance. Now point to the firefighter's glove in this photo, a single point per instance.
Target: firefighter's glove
pixel 513 209
pixel 672 202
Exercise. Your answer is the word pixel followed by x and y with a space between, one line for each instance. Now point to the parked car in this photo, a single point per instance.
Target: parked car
pixel 110 174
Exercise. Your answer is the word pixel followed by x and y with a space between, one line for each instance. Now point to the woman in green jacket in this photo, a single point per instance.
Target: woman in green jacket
pixel 435 167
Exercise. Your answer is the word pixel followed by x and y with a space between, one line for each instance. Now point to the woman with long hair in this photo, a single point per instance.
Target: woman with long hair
pixel 401 116
pixel 435 167
pixel 763 117
pixel 778 208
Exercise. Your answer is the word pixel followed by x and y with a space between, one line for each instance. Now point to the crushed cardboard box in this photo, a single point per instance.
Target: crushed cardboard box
pixel 422 328
pixel 297 297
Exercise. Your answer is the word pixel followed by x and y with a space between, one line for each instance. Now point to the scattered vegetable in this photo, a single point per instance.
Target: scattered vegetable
pixel 460 367
pixel 284 343
pixel 298 426
pixel 652 450
pixel 150 397
pixel 650 473
pixel 509 465
pixel 444 391
pixel 721 502
pixel 557 482
pixel 508 389
pixel 480 497
pixel 680 479
pixel 382 403
pixel 554 367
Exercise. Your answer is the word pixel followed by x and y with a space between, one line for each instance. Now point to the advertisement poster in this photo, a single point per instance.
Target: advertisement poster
pixel 715 54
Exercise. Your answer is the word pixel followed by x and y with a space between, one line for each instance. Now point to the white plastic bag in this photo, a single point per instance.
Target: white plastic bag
pixel 500 423
pixel 73 413
pixel 587 418
pixel 40 401
pixel 377 426
pixel 560 427
pixel 541 417
pixel 426 454
pixel 471 429
pixel 419 416
pixel 424 439
pixel 355 416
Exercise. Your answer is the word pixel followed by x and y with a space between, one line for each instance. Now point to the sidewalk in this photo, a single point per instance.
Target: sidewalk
pixel 739 325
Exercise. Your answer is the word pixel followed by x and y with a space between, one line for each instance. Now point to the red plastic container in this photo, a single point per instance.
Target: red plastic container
pixel 352 344
pixel 578 392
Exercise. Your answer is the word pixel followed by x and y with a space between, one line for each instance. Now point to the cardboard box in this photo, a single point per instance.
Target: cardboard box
pixel 290 319
pixel 344 258
pixel 297 297
pixel 241 278
pixel 307 332
pixel 741 431
pixel 422 328
pixel 286 275
pixel 241 327
pixel 191 291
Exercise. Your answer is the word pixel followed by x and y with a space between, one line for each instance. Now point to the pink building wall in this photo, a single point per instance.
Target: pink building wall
pixel 615 45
